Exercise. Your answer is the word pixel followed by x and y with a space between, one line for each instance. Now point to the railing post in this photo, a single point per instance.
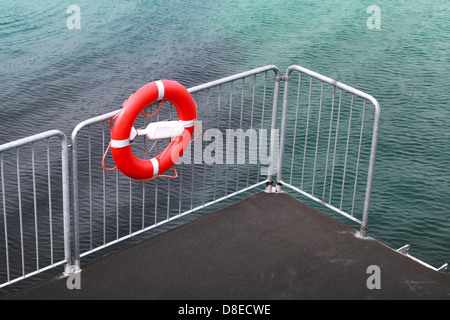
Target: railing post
pixel 370 173
pixel 283 128
pixel 76 219
pixel 273 136
pixel 71 266
pixel 76 232
pixel 66 203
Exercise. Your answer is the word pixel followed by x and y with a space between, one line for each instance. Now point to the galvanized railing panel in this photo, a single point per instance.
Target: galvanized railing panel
pixel 109 207
pixel 34 206
pixel 329 140
pixel 325 152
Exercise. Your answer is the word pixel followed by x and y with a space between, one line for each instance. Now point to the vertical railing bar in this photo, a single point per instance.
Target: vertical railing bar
pixel 251 127
pixel 274 159
pixel 144 153
pixel 240 127
pixel 72 262
pixel 117 204
pixel 131 207
pixel 143 182
pixel 157 143
pixel 144 194
pixel 73 219
pixel 143 206
pixel 218 126
pixel 20 210
pixel 5 220
pixel 227 132
pixel 169 180
pixel 50 211
pixel 193 165
pixel 168 183
pixel 370 172
pixel 306 134
pixel 90 184
pixel 346 151
pixel 317 139
pixel 359 156
pixel 262 123
pixel 335 145
pixel 156 180
pixel 33 174
pixel 253 101
pixel 156 201
pixel 295 126
pixel 181 188
pixel 329 144
pixel 204 163
pixel 104 190
pixel 242 103
pixel 192 181
pixel 168 199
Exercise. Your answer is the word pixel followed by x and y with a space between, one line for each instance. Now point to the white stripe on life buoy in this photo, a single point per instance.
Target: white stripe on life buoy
pixel 120 143
pixel 155 164
pixel 187 124
pixel 161 90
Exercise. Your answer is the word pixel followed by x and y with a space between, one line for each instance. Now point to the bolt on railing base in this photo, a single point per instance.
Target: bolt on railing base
pixel 271 189
pixel 70 269
pixel 363 233
pixel 278 187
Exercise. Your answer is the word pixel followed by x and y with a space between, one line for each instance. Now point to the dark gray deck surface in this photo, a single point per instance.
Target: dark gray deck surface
pixel 269 246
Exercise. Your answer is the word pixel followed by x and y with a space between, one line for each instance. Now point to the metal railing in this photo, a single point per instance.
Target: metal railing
pixel 35 234
pixel 316 147
pixel 332 143
pixel 109 207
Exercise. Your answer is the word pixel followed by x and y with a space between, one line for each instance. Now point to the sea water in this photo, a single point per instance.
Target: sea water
pixel 64 62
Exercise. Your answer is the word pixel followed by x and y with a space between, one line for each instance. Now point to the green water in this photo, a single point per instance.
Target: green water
pixel 52 76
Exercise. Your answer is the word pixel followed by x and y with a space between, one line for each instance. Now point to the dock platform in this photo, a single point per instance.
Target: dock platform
pixel 269 246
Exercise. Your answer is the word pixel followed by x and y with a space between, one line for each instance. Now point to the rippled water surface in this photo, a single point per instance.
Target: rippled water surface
pixel 55 77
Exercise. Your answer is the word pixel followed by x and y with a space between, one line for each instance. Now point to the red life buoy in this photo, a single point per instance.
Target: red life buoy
pixel 122 131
